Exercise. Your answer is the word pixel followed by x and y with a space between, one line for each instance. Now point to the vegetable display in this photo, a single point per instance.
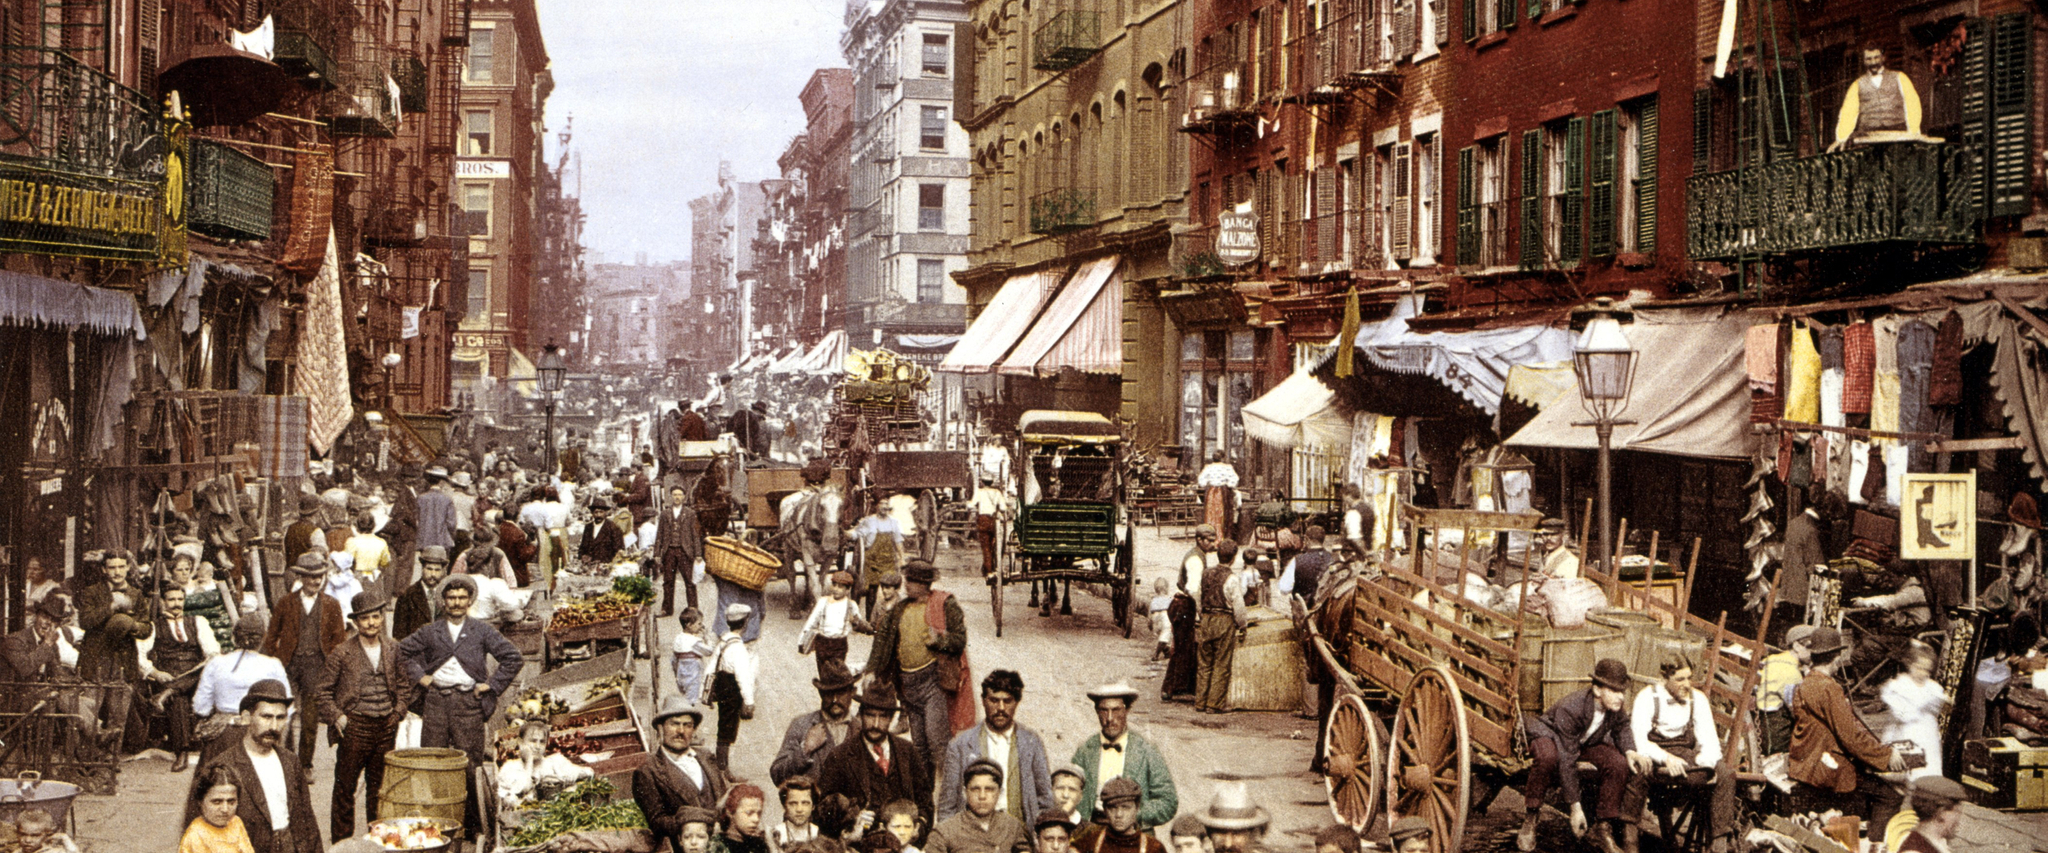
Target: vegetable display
pixel 634 588
pixel 577 613
pixel 583 808
pixel 622 682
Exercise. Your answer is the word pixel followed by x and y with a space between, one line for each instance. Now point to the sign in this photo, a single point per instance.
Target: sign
pixel 409 324
pixel 1938 517
pixel 483 168
pixel 1237 237
pixel 480 340
pixel 56 213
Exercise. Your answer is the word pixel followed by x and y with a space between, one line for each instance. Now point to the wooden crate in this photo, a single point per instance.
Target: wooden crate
pixel 2006 773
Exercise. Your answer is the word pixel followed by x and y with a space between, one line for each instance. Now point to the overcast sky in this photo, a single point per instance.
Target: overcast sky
pixel 662 90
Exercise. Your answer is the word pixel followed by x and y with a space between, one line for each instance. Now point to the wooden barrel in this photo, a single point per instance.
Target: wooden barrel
pixel 1268 671
pixel 1569 655
pixel 1535 629
pixel 1635 648
pixel 424 783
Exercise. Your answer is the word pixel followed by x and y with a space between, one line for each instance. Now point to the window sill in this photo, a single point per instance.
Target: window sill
pixel 1634 260
pixel 1558 14
pixel 1489 40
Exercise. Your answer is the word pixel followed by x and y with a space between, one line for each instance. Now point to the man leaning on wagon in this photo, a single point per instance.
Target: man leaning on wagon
pixel 1590 725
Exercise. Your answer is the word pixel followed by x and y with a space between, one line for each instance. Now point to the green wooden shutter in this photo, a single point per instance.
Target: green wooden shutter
pixel 1571 232
pixel 1532 199
pixel 1404 201
pixel 1468 209
pixel 1646 179
pixel 1471 18
pixel 2011 132
pixel 1974 68
pixel 1508 10
pixel 1702 130
pixel 1535 8
pixel 1600 183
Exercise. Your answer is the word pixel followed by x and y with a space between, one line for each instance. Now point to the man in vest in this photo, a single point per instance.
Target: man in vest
pixel 1880 101
pixel 303 629
pixel 1223 617
pixel 1182 614
pixel 362 696
pixel 179 645
pixel 1304 573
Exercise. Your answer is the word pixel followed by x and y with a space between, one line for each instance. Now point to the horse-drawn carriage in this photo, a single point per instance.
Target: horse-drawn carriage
pixel 1455 678
pixel 1071 523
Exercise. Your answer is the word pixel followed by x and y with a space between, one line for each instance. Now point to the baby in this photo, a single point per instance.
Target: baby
pixel 690 650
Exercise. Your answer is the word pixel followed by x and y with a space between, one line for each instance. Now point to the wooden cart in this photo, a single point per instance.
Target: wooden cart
pixel 1078 528
pixel 609 723
pixel 636 630
pixel 1430 688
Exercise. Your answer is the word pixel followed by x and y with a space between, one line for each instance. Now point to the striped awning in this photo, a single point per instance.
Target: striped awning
pixel 1000 324
pixel 1083 328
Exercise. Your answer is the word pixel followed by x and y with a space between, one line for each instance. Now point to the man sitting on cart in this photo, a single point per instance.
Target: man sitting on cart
pixel 1674 728
pixel 1590 725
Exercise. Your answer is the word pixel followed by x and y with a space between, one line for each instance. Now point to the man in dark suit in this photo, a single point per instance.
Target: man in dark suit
pixel 449 658
pixel 298 539
pixel 878 768
pixel 267 708
pixel 363 697
pixel 30 655
pixel 416 605
pixel 678 543
pixel 304 627
pixel 677 776
pixel 814 735
pixel 1591 725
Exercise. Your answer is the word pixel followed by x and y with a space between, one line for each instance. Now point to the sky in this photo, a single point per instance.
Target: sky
pixel 661 90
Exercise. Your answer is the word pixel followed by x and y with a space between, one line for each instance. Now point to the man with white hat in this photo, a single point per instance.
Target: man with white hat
pixel 1117 751
pixel 677 776
pixel 1236 824
pixel 734 668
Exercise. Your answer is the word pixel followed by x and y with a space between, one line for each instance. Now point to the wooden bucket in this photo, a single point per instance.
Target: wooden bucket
pixel 1535 629
pixel 1636 648
pixel 424 783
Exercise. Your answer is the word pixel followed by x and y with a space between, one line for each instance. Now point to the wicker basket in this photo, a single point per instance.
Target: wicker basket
pixel 739 563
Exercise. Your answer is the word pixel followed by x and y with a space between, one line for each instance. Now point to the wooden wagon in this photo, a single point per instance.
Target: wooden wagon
pixel 1430 687
pixel 1073 523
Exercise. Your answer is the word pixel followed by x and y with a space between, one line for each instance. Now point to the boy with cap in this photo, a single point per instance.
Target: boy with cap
pixel 362 696
pixel 1938 802
pixel 1118 832
pixel 1068 780
pixel 833 619
pixel 1589 725
pixel 981 827
pixel 1777 678
pixel 734 669
pixel 1052 832
pixel 1829 742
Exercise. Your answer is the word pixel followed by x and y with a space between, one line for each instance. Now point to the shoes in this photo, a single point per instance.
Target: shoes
pixel 183 763
pixel 1602 838
pixel 1525 838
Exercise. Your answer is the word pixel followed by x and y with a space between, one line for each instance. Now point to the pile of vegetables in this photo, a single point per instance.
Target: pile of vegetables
pixel 622 682
pixel 634 588
pixel 577 613
pixel 536 705
pixel 584 808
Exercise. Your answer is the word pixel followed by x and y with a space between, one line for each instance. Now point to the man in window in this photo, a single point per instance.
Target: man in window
pixel 1880 105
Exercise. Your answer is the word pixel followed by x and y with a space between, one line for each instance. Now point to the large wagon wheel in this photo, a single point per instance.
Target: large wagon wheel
pixel 1429 767
pixel 1354 762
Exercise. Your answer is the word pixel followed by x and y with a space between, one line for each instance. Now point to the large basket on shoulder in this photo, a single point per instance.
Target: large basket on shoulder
pixel 739 563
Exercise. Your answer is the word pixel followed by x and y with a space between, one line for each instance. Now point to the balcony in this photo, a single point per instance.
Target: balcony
pixel 228 193
pixel 1066 41
pixel 67 131
pixel 302 55
pixel 367 102
pixel 1219 101
pixel 1340 57
pixel 411 75
pixel 1329 243
pixel 1062 211
pixel 1899 192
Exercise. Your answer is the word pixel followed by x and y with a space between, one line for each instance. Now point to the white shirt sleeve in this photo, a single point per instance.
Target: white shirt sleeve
pixel 744 667
pixel 1704 730
pixel 1285 586
pixel 1641 719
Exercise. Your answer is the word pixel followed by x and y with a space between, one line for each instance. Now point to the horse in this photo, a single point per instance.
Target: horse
pixel 809 540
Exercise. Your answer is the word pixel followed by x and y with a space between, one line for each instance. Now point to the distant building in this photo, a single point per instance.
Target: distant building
pixel 627 310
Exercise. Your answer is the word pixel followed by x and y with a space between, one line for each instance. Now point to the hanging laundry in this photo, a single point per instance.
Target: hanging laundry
pixel 1859 471
pixel 1760 356
pixel 1859 361
pixel 1884 388
pixel 1802 386
pixel 1945 379
pixel 1873 487
pixel 1916 364
pixel 1831 377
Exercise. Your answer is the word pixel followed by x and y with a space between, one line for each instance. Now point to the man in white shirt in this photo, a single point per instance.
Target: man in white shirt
pixel 180 644
pixel 450 658
pixel 1674 729
pixel 275 800
pixel 990 505
pixel 1018 751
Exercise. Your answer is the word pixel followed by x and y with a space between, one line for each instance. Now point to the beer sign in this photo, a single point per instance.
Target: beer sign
pixel 1237 237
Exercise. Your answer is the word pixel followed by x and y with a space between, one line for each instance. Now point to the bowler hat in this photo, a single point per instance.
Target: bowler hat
pixel 839 678
pixel 1412 826
pixel 1120 790
pixel 267 690
pixel 877 698
pixel 1611 674
pixel 311 563
pixel 1233 809
pixel 673 705
pixel 1825 640
pixel 434 554
pixel 54 607
pixel 367 602
pixel 919 571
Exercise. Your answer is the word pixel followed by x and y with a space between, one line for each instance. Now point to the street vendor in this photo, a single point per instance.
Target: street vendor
pixel 537 772
pixel 1835 757
pixel 1589 725
pixel 179 644
pixel 1559 559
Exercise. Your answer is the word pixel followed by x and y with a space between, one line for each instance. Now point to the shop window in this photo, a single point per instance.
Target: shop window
pixel 1220 372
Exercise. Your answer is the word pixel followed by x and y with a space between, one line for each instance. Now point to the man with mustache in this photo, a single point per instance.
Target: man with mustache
pixel 878 768
pixel 813 736
pixel 1016 750
pixel 275 802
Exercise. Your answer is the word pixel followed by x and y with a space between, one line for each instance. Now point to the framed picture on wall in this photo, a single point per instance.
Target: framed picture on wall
pixel 1938 517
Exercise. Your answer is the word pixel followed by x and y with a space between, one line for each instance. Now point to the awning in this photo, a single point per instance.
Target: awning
pixel 525 378
pixel 1690 397
pixel 787 362
pixel 1083 328
pixel 1299 411
pixel 828 357
pixel 1475 364
pixel 1538 385
pixel 1005 319
pixel 927 341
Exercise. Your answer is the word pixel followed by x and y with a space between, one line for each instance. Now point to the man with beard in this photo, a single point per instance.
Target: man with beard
pixel 275 800
pixel 362 697
pixel 303 629
pixel 814 735
pixel 450 659
pixel 416 606
pixel 878 768
pixel 1015 750
pixel 177 645
pixel 677 777
pixel 1120 833
pixel 1117 751
pixel 982 828
pixel 1236 824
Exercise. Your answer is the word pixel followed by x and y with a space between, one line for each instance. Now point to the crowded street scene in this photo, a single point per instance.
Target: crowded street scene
pixel 1023 426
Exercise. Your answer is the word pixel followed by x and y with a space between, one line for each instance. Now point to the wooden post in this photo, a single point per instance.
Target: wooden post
pixel 1650 574
pixel 1692 570
pixel 1586 530
pixel 1612 562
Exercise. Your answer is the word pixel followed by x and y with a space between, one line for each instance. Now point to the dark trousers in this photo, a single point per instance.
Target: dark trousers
pixel 1698 787
pixel 361 755
pixel 831 653
pixel 454 719
pixel 1874 800
pixel 178 721
pixel 926 704
pixel 726 697
pixel 1214 654
pixel 985 534
pixel 305 672
pixel 1180 667
pixel 673 563
pixel 1611 771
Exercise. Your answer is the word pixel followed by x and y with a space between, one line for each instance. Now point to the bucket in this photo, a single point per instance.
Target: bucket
pixel 424 783
pixel 1636 630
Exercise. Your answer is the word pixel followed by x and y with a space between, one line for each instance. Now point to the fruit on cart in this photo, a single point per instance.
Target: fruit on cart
pixel 578 612
pixel 621 682
pixel 634 588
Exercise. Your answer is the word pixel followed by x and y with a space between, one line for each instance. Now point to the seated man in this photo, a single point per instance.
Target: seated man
pixel 1590 725
pixel 1674 729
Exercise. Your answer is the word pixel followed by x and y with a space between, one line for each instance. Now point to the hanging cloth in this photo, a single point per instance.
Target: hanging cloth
pixel 1859 362
pixel 1802 391
pixel 1760 357
pixel 1831 377
pixel 1916 364
pixel 1945 375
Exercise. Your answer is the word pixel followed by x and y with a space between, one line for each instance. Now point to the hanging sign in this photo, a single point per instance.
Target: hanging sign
pixel 1237 237
pixel 1938 517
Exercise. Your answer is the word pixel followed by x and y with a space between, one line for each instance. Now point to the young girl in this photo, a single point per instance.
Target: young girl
pixel 1162 627
pixel 901 820
pixel 743 807
pixel 799 799
pixel 833 618
pixel 217 829
pixel 690 650
pixel 1915 700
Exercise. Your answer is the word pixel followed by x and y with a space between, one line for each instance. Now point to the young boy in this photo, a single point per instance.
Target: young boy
pixel 1190 836
pixel 1337 838
pixel 732 678
pixel 1120 799
pixel 689 651
pixel 832 619
pixel 1067 781
pixel 901 820
pixel 1162 626
pixel 799 800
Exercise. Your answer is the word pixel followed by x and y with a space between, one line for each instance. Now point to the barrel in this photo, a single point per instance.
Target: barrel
pixel 1268 671
pixel 1662 643
pixel 424 783
pixel 1569 655
pixel 1534 630
pixel 1634 648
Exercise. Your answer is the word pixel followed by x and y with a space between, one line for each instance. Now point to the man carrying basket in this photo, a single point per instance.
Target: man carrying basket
pixel 740 572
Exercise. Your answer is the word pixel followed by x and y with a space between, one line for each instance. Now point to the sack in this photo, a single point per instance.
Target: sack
pixel 949 672
pixel 1570 599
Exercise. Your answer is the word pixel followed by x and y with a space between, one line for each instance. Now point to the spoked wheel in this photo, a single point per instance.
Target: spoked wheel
pixel 1354 762
pixel 1429 767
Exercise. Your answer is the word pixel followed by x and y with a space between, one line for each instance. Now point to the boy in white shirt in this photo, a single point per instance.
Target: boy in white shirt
pixel 834 617
pixel 689 653
pixel 1162 627
pixel 733 669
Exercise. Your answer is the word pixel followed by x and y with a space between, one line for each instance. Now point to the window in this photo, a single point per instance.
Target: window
pixel 1553 188
pixel 479 294
pixel 1636 218
pixel 931 207
pixel 932 129
pixel 1483 17
pixel 931 280
pixel 1428 225
pixel 482 54
pixel 476 136
pixel 938 54
pixel 1482 213
pixel 1564 154
pixel 476 210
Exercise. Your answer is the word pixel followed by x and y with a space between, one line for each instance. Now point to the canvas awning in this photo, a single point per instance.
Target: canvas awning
pixel 1539 385
pixel 1300 411
pixel 1475 364
pixel 1004 321
pixel 787 363
pixel 1083 328
pixel 1690 397
pixel 828 357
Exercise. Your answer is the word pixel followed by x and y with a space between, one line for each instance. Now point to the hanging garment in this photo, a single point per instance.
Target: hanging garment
pixel 1859 361
pixel 1859 471
pixel 1831 377
pixel 1945 377
pixel 1916 363
pixel 1802 391
pixel 1760 357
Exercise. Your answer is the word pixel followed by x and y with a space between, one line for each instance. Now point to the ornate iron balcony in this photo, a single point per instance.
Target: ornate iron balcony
pixel 1066 41
pixel 1896 192
pixel 1061 211
pixel 229 193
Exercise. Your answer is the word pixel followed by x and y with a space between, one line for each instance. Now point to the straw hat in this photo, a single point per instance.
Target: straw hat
pixel 1233 809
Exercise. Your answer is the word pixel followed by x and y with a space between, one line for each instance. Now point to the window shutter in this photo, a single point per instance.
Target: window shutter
pixel 1327 223
pixel 2007 157
pixel 1471 18
pixel 1702 131
pixel 1532 199
pixel 1268 214
pixel 1535 8
pixel 1468 209
pixel 1443 21
pixel 1571 237
pixel 1405 29
pixel 1403 212
pixel 1600 183
pixel 1509 11
pixel 1646 178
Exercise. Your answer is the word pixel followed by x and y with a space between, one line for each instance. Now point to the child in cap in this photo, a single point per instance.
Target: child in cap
pixel 733 670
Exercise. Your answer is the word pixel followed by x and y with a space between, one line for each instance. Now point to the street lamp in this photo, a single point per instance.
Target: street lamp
pixel 1606 367
pixel 552 371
